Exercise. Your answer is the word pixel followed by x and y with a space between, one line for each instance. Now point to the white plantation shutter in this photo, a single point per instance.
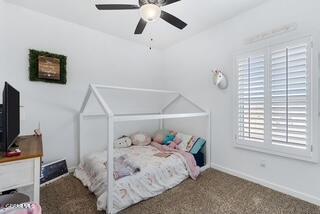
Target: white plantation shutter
pixel 289 96
pixel 276 100
pixel 251 98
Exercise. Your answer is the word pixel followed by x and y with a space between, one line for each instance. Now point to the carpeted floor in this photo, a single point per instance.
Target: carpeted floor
pixel 214 192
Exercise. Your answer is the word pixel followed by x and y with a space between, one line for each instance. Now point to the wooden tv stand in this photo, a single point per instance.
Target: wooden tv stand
pixel 23 170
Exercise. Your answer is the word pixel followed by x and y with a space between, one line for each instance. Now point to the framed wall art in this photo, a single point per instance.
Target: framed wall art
pixel 47 67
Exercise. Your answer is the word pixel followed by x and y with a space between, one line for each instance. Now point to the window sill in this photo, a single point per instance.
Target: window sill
pixel 312 158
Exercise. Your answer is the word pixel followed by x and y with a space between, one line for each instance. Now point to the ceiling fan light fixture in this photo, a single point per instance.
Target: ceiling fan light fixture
pixel 150 12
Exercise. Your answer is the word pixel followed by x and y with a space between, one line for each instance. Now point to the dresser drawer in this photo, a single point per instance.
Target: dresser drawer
pixel 16 174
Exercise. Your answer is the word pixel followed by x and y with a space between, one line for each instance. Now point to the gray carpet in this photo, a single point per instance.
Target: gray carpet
pixel 214 192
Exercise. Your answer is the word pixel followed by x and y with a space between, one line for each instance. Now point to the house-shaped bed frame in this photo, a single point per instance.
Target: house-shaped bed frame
pixel 111 119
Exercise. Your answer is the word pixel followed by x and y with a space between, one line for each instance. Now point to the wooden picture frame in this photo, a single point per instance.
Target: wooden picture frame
pixel 47 67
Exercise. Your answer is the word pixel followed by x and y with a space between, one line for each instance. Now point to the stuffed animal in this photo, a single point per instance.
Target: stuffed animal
pixel 172 138
pixel 173 132
pixel 169 139
pixel 174 144
pixel 160 135
pixel 140 139
pixel 122 142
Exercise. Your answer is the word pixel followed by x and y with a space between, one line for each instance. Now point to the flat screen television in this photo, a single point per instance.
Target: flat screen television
pixel 10 117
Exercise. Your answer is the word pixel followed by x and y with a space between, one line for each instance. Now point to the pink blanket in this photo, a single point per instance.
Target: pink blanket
pixel 192 167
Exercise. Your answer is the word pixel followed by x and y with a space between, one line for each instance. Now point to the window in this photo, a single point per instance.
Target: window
pixel 289 96
pixel 251 98
pixel 274 102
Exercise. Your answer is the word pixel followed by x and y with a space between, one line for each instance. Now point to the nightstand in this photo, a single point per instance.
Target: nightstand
pixel 23 170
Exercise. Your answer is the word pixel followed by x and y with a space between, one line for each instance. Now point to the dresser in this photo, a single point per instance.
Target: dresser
pixel 23 170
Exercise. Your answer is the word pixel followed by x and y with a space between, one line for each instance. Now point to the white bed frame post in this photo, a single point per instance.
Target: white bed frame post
pixel 110 181
pixel 80 136
pixel 208 144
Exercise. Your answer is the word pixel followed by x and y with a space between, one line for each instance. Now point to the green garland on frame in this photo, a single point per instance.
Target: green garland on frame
pixel 34 68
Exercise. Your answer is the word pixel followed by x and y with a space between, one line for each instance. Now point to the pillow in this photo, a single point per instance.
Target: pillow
pixel 140 139
pixel 185 139
pixel 192 142
pixel 198 145
pixel 160 135
pixel 122 142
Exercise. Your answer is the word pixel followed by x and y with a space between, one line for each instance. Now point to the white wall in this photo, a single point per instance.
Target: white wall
pixel 188 68
pixel 92 57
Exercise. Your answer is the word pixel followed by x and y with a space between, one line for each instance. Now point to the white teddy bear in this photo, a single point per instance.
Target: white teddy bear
pixel 122 142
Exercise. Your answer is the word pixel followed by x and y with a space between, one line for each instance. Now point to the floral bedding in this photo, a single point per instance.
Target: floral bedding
pixel 157 175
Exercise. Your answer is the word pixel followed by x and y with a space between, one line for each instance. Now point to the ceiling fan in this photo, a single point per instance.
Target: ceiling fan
pixel 150 11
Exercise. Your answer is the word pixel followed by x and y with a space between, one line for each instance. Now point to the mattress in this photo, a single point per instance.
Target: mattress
pixel 157 175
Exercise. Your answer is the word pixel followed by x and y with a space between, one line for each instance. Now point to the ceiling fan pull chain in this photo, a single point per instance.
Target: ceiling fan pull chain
pixel 150 46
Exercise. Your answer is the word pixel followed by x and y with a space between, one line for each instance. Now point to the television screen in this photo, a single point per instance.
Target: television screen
pixel 10 116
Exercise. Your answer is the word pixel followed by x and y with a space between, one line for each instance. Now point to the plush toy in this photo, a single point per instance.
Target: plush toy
pixel 140 139
pixel 122 142
pixel 160 135
pixel 169 139
pixel 173 132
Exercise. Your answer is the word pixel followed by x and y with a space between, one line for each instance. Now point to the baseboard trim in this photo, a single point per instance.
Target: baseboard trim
pixel 71 169
pixel 276 187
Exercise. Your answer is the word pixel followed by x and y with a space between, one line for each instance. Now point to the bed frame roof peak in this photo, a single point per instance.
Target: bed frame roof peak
pixel 94 90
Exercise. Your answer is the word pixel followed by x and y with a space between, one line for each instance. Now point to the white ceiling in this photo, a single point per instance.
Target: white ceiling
pixel 199 14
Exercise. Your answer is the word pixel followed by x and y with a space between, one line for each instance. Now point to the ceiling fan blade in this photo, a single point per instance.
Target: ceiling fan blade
pixel 142 2
pixel 167 2
pixel 116 7
pixel 140 27
pixel 173 20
